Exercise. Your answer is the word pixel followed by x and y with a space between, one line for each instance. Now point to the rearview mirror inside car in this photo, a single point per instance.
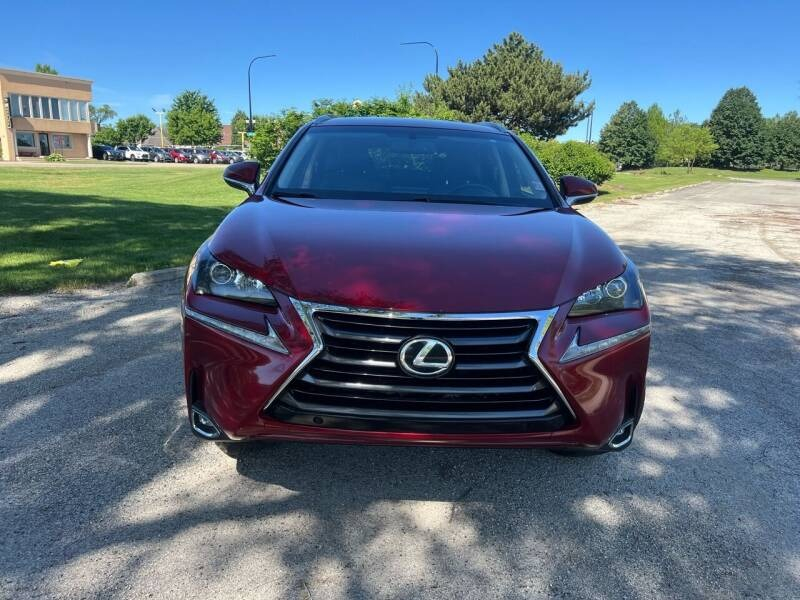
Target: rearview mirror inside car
pixel 243 175
pixel 577 190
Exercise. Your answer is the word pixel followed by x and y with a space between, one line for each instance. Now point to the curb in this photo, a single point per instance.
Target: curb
pixel 159 276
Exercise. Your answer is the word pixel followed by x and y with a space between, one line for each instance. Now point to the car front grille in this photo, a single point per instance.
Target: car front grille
pixel 355 382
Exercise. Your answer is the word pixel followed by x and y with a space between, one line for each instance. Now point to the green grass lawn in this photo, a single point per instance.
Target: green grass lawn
pixel 119 220
pixel 647 181
pixel 124 219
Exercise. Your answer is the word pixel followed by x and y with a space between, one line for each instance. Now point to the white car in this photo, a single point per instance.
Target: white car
pixel 133 153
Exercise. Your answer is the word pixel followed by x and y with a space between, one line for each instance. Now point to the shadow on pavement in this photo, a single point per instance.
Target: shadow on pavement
pixel 106 492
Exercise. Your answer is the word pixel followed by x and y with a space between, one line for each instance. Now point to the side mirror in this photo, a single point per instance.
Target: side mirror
pixel 577 190
pixel 243 176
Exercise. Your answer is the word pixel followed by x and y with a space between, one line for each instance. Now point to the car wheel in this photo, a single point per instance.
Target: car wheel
pixel 195 161
pixel 106 156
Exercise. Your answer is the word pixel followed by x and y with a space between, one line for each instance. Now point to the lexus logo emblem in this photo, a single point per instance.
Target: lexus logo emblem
pixel 426 357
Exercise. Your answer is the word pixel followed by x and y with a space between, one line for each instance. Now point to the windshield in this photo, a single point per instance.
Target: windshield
pixel 411 163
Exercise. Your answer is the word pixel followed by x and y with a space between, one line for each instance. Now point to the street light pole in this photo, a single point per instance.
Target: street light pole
pixel 435 51
pixel 249 92
pixel 160 126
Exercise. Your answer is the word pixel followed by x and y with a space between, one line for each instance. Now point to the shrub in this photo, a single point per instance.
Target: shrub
pixel 55 157
pixel 272 133
pixel 571 158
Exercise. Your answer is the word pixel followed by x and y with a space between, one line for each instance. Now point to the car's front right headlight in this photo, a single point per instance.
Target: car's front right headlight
pixel 620 293
pixel 213 277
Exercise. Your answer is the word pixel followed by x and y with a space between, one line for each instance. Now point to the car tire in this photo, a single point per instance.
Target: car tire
pixel 195 161
pixel 231 449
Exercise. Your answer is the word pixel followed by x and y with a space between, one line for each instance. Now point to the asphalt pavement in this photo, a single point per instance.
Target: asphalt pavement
pixel 104 493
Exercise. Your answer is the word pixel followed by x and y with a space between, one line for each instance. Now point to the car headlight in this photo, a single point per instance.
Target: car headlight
pixel 620 293
pixel 215 278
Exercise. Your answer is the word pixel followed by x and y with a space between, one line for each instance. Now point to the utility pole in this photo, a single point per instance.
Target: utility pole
pixel 160 124
pixel 249 92
pixel 435 52
pixel 589 124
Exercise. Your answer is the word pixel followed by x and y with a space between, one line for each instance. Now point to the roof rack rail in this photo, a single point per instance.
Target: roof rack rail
pixel 322 119
pixel 493 125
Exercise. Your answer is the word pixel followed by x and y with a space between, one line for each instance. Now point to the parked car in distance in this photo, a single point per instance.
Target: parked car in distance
pixel 200 155
pixel 179 156
pixel 219 157
pixel 105 152
pixel 235 156
pixel 409 281
pixel 160 155
pixel 132 153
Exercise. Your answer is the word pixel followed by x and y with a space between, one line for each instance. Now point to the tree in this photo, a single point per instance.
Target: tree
pixel 738 129
pixel 686 143
pixel 627 138
pixel 514 84
pixel 657 123
pixel 238 125
pixel 45 68
pixel 135 129
pixel 101 114
pixel 783 141
pixel 193 120
pixel 107 135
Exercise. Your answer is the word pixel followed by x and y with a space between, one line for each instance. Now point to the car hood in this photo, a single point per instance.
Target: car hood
pixel 418 256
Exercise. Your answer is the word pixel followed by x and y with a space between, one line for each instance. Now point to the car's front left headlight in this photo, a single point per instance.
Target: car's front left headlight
pixel 620 293
pixel 215 278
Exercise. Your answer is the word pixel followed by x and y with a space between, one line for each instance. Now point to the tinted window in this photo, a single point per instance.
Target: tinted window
pixel 411 163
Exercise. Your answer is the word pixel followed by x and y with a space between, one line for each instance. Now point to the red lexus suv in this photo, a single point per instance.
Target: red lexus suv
pixel 406 281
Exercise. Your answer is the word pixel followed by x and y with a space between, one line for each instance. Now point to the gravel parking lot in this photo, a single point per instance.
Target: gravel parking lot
pixel 105 493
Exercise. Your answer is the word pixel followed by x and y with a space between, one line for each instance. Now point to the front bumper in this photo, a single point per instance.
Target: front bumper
pixel 232 380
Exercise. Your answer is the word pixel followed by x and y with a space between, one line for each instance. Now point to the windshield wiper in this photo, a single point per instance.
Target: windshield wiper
pixel 280 195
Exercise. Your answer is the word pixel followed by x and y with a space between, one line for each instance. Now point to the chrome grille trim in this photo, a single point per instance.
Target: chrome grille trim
pixel 306 310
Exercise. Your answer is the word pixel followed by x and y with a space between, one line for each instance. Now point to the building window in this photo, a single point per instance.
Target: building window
pixel 61 141
pixel 25 139
pixel 40 107
pixel 13 99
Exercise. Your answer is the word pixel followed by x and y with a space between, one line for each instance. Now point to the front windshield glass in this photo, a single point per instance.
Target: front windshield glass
pixel 363 162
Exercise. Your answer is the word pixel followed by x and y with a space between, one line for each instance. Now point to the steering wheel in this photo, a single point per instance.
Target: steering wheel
pixel 476 187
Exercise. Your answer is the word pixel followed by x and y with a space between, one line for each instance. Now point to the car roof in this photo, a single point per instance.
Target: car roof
pixel 410 122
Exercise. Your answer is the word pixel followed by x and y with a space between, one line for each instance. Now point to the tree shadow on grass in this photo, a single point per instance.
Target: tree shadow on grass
pixel 115 238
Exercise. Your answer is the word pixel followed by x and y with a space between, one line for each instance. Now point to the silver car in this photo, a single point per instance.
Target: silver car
pixel 199 155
